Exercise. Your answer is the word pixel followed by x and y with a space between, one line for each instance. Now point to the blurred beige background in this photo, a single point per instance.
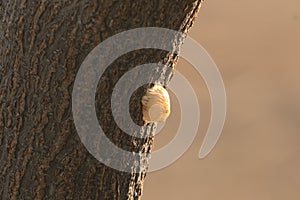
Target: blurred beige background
pixel 256 45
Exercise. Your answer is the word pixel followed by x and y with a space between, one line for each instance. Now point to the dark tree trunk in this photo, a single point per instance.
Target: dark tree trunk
pixel 42 45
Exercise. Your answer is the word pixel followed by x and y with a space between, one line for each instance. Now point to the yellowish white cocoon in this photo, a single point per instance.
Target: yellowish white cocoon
pixel 156 104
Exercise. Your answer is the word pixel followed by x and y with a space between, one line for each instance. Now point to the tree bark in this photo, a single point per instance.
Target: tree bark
pixel 42 45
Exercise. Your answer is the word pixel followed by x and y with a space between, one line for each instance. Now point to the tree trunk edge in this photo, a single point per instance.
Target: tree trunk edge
pixel 37 146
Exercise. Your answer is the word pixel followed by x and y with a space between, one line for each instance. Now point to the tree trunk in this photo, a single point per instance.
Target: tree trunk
pixel 42 45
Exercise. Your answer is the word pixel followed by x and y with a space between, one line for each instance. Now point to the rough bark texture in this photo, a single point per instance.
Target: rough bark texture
pixel 42 45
